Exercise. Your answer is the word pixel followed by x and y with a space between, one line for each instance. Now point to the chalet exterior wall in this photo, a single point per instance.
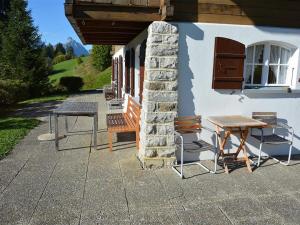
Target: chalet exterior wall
pixel 159 105
pixel 178 80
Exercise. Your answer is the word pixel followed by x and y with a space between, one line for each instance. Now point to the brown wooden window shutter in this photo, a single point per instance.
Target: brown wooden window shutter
pixel 228 64
pixel 132 66
pixel 127 71
pixel 120 74
pixel 113 70
pixel 142 68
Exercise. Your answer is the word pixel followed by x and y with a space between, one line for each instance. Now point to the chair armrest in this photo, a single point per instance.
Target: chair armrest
pixel 287 127
pixel 284 125
pixel 178 135
pixel 213 132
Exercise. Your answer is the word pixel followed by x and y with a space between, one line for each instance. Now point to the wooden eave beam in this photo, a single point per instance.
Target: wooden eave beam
pixel 137 3
pixel 112 13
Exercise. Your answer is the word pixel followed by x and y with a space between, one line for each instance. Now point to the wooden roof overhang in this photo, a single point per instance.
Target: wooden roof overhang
pixel 113 22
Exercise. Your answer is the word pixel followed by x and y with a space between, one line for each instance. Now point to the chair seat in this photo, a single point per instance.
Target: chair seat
pixel 271 139
pixel 197 146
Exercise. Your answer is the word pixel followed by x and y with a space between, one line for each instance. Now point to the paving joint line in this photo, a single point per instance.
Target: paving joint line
pixel 13 178
pixel 124 189
pixel 34 210
pixel 225 214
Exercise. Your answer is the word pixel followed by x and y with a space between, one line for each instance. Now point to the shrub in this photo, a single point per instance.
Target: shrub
pixel 101 56
pixel 12 91
pixel 79 60
pixel 59 59
pixel 71 84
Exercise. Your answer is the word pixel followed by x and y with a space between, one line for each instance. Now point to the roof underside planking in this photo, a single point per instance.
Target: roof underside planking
pixel 113 22
pixel 117 22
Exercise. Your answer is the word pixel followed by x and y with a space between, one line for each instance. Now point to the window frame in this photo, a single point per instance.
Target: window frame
pixel 266 65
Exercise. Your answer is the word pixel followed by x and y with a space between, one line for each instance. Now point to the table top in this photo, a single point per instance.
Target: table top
pixel 235 121
pixel 77 108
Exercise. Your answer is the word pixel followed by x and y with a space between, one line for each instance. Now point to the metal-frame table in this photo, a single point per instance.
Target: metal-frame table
pixel 231 125
pixel 69 108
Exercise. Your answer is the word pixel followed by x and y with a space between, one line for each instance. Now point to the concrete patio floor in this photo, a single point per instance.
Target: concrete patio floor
pixel 79 185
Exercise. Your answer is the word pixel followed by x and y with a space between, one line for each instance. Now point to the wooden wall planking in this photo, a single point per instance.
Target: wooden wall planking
pixel 282 13
pixel 150 3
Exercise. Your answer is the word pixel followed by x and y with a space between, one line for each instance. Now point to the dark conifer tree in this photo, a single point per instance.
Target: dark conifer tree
pixel 59 49
pixel 22 49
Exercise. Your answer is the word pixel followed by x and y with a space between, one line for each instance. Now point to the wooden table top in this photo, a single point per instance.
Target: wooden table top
pixel 235 121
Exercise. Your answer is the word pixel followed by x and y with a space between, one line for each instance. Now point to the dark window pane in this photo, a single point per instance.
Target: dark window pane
pixel 259 54
pixel 249 57
pixel 248 74
pixel 272 77
pixel 257 75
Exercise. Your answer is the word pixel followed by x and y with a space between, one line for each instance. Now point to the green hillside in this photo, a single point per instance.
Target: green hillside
pixel 92 78
pixel 64 69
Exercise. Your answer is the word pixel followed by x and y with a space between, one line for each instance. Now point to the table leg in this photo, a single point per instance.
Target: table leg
pixel 242 142
pixel 56 132
pixel 95 130
pixel 244 138
pixel 222 144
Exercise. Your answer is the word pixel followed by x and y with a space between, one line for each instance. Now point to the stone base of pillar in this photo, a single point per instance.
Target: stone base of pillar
pixel 157 162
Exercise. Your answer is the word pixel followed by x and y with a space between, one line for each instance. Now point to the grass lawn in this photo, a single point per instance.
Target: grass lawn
pixel 92 78
pixel 64 69
pixel 12 130
pixel 45 99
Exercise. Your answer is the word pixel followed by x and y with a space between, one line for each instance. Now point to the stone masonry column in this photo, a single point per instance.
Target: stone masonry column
pixel 159 105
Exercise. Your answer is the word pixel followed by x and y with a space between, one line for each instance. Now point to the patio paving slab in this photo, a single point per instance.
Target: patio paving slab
pixel 82 186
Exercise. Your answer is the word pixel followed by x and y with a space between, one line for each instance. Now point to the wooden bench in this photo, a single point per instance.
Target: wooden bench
pixel 125 122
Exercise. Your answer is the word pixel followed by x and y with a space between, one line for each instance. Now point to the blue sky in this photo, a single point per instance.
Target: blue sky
pixel 50 18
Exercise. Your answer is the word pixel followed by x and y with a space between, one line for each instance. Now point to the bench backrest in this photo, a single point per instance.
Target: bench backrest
pixel 133 111
pixel 187 124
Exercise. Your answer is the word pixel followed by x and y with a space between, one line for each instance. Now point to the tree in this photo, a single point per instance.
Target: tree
pixel 59 49
pixel 79 60
pixel 70 52
pixel 4 7
pixel 48 51
pixel 101 56
pixel 21 53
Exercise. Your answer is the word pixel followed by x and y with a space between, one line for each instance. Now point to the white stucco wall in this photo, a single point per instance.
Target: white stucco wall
pixel 135 44
pixel 196 95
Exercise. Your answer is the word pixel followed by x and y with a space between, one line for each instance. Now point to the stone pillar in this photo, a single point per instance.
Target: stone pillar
pixel 159 105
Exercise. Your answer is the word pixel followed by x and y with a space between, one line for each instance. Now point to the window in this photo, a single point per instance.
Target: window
pixel 267 64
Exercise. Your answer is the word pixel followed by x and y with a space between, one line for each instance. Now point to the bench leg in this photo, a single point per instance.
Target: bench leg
pixel 110 140
pixel 137 138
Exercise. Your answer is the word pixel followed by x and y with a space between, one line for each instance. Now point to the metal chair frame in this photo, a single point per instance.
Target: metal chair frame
pixel 178 135
pixel 274 125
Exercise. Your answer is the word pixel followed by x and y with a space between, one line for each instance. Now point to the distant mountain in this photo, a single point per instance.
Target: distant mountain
pixel 78 48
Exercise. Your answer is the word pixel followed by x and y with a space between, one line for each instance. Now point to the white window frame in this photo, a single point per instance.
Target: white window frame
pixel 266 64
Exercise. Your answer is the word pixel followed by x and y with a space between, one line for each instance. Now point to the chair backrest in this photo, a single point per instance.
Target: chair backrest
pixel 187 124
pixel 133 111
pixel 267 117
